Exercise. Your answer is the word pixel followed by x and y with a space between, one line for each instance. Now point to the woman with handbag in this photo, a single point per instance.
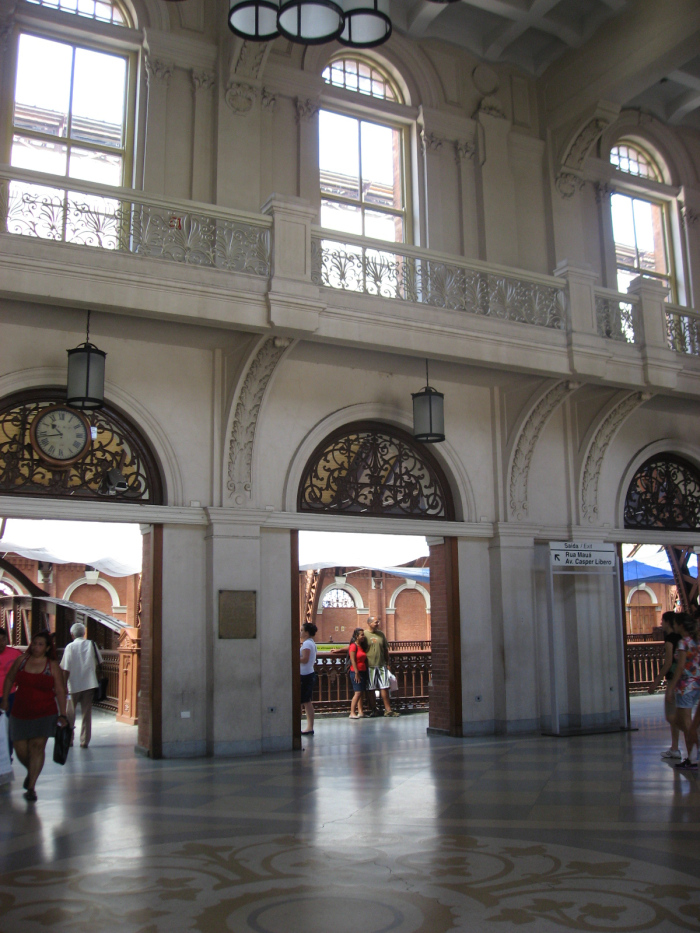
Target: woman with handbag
pixel 34 713
pixel 79 663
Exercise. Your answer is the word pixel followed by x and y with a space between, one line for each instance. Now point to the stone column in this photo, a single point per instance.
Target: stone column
pixel 158 74
pixel 202 85
pixel 308 182
pixel 661 365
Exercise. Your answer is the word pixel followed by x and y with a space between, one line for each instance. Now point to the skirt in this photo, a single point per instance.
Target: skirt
pixel 23 729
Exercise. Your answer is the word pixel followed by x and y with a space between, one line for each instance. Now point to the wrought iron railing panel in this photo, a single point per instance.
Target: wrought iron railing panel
pixel 110 670
pixel 664 494
pixel 683 330
pixel 128 222
pixel 614 318
pixel 333 692
pixel 406 275
pixel 644 662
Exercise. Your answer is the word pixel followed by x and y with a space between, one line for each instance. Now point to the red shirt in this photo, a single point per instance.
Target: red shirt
pixel 36 695
pixel 7 659
pixel 360 657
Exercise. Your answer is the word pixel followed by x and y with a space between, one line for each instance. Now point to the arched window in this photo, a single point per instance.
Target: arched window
pixel 368 468
pixel 338 599
pixel 74 96
pixel 362 160
pixel 640 218
pixel 664 494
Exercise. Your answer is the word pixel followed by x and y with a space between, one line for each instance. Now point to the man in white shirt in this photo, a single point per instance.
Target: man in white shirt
pixel 79 663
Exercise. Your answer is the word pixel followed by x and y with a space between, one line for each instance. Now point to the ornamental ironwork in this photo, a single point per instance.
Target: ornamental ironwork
pixel 683 332
pixel 155 232
pixel 371 469
pixel 389 274
pixel 614 319
pixel 665 493
pixel 115 445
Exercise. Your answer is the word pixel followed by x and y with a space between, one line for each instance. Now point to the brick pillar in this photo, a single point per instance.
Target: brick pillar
pixel 446 687
pixel 150 681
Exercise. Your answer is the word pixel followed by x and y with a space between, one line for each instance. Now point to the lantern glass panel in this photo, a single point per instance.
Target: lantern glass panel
pixel 86 377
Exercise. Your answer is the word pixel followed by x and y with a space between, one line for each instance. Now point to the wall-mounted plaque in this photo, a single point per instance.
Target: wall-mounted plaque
pixel 237 614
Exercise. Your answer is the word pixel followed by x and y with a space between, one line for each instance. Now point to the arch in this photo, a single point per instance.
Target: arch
pixel 663 445
pixel 663 494
pixel 635 159
pixel 410 586
pixel 358 62
pixel 12 584
pixel 654 135
pixel 368 467
pixel 52 377
pixel 643 588
pixel 355 593
pixel 105 584
pixel 458 480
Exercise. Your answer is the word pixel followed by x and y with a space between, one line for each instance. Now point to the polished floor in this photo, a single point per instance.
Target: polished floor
pixel 374 827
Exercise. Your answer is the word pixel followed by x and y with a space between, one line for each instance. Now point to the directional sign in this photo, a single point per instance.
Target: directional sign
pixel 581 554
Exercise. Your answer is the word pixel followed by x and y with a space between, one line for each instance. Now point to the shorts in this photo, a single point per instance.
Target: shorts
pixel 308 682
pixel 688 699
pixel 21 730
pixel 378 678
pixel 359 682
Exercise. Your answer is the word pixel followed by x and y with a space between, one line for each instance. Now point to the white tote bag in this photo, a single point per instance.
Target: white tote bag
pixel 6 774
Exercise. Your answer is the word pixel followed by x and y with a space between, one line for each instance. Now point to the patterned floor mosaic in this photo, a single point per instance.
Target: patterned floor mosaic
pixel 375 828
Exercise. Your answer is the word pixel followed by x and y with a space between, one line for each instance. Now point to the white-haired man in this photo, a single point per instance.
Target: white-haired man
pixel 79 664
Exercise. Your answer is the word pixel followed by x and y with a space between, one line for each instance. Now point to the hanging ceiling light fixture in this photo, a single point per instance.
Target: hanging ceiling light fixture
pixel 367 23
pixel 358 24
pixel 86 375
pixel 428 413
pixel 254 19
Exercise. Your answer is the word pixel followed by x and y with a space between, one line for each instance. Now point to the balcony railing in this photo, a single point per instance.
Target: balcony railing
pixel 412 670
pixel 110 670
pixel 404 273
pixel 614 313
pixel 85 214
pixel 644 661
pixel 683 330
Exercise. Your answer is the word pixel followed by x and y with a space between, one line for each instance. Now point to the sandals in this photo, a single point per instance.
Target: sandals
pixel 309 732
pixel 30 795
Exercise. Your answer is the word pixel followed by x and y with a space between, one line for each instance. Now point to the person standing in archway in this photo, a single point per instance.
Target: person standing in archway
pixel 378 662
pixel 307 658
pixel 8 656
pixel 684 686
pixel 79 664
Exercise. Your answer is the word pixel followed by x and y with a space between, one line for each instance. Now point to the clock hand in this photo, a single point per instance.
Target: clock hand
pixel 58 434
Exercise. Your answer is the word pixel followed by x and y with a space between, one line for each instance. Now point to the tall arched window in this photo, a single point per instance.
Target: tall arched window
pixel 362 159
pixel 103 11
pixel 640 217
pixel 338 598
pixel 664 494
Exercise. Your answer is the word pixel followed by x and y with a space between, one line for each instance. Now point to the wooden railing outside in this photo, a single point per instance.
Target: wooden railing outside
pixel 644 660
pixel 412 670
pixel 409 646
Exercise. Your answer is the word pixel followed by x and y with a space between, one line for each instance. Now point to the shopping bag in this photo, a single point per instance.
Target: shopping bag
pixel 393 683
pixel 61 744
pixel 6 774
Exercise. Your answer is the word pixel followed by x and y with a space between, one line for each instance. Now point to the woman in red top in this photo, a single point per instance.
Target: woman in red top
pixel 34 714
pixel 358 672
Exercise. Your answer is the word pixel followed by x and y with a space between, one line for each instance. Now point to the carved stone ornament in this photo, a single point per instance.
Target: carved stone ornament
pixel 491 107
pixel 249 60
pixel 306 108
pixel 689 217
pixel 584 142
pixel 240 461
pixel 159 71
pixel 568 184
pixel 527 440
pixel 268 100
pixel 430 142
pixel 240 97
pixel 602 439
pixel 603 191
pixel 202 80
pixel 464 149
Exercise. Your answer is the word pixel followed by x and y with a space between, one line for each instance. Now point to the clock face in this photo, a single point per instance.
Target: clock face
pixel 60 435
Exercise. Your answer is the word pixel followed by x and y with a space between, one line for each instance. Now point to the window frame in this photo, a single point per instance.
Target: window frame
pixel 93 35
pixel 659 193
pixel 398 116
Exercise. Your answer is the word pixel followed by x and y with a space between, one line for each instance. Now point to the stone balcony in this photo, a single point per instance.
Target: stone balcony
pixel 120 250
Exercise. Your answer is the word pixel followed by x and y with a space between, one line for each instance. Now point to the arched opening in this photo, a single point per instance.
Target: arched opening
pixel 369 469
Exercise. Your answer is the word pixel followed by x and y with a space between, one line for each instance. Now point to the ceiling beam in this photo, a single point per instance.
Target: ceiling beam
pixel 681 106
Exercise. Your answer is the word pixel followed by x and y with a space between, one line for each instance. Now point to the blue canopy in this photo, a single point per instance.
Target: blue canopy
pixel 636 572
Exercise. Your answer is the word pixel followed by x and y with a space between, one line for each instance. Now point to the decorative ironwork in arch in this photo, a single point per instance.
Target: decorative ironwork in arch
pixel 115 445
pixel 664 493
pixel 369 468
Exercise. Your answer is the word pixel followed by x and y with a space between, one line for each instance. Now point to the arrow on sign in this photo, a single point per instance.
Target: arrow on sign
pixel 557 557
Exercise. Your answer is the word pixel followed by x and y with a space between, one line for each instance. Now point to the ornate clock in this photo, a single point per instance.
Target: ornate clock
pixel 60 435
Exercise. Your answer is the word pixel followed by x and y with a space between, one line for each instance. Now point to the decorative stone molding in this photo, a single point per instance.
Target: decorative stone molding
pixel 598 447
pixel 202 80
pixel 240 97
pixel 158 70
pixel 579 143
pixel 268 100
pixel 689 217
pixel 603 191
pixel 306 108
pixel 248 59
pixel 430 142
pixel 464 149
pixel 567 184
pixel 491 107
pixel 527 439
pixel 240 463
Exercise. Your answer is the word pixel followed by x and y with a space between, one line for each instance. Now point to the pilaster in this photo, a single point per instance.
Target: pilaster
pixel 158 74
pixel 661 365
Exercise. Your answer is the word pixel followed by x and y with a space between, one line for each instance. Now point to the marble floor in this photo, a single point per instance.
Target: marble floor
pixel 374 827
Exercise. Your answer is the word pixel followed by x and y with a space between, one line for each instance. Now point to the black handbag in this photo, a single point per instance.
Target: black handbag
pixel 61 743
pixel 101 691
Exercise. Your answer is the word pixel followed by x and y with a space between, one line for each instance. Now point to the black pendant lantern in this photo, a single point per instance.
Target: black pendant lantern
pixel 367 23
pixel 310 22
pixel 86 375
pixel 428 413
pixel 255 20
